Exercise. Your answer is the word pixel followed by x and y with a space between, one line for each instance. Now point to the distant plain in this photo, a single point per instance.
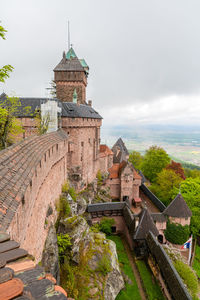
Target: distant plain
pixel 181 143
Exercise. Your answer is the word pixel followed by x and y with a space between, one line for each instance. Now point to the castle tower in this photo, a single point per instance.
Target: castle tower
pixel 70 76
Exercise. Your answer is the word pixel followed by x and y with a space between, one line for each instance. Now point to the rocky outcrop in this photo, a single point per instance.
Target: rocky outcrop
pixel 93 251
pixel 50 260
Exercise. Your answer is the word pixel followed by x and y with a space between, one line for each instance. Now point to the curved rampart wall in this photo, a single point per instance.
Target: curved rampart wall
pixel 31 175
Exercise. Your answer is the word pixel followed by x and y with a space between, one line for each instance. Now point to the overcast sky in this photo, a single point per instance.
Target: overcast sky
pixel 144 55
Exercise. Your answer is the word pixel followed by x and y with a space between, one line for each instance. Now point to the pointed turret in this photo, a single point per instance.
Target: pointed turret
pixel 178 208
pixel 145 225
pixel 120 151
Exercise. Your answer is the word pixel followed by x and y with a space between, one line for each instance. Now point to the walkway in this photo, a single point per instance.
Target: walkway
pixel 135 270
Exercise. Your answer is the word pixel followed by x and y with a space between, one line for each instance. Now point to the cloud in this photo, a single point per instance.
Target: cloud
pixel 141 53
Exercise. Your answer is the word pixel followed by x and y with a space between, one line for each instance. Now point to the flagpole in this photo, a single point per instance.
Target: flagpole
pixel 190 251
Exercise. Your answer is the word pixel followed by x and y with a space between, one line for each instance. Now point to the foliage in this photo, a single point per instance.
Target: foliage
pixel 152 288
pixel 5 70
pixel 136 159
pixel 196 262
pixel 104 265
pixel 73 194
pixel 177 168
pixel 155 159
pixel 95 228
pixel 190 190
pixel 99 178
pixel 64 243
pixel 192 173
pixel 176 233
pixel 166 185
pixel 10 126
pixel 188 276
pixel 65 187
pixel 42 123
pixel 131 291
pixel 106 225
pixel 63 207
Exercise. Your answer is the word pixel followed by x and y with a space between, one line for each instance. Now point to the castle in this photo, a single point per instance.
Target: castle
pixel 32 171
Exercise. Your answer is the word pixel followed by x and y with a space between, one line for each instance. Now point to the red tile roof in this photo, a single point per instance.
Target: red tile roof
pixel 114 171
pixel 104 149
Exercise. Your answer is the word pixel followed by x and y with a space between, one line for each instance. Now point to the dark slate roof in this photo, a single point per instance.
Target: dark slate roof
pixel 159 217
pixel 72 64
pixel 23 284
pixel 120 151
pixel 69 109
pixel 72 110
pixel 17 166
pixel 178 208
pixel 145 225
pixel 105 206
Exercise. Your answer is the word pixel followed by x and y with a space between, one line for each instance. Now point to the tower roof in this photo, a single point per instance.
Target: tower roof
pixel 70 62
pixel 145 225
pixel 178 208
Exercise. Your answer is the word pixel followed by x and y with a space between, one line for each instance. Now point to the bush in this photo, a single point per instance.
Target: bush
pixel 72 193
pixel 176 233
pixel 104 265
pixel 64 243
pixel 63 207
pixel 106 225
pixel 187 275
pixel 65 187
pixel 99 178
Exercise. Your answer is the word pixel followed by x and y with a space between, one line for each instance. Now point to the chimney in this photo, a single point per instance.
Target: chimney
pixel 90 102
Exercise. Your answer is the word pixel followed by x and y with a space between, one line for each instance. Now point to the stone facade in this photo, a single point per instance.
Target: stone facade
pixel 65 90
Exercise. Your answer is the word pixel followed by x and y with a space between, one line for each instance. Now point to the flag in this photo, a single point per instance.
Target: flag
pixel 187 244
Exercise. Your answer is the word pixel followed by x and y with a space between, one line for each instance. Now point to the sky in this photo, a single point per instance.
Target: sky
pixel 144 55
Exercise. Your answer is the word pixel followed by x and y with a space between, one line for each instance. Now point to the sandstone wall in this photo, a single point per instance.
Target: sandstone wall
pixel 36 179
pixel 84 141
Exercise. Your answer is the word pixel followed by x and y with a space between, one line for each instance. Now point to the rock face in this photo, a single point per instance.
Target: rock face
pixel 93 251
pixel 50 260
pixel 115 282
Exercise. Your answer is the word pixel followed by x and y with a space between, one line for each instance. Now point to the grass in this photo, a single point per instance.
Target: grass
pixel 196 263
pixel 131 291
pixel 152 288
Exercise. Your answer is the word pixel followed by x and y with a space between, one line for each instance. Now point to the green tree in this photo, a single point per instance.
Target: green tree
pixel 5 70
pixel 136 159
pixel 190 190
pixel 10 126
pixel 166 185
pixel 155 159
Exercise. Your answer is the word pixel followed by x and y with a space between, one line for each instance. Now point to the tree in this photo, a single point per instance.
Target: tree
pixel 10 126
pixel 5 70
pixel 136 159
pixel 166 185
pixel 155 159
pixel 190 190
pixel 177 168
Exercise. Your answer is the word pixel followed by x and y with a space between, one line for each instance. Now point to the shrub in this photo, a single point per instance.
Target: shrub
pixel 99 178
pixel 63 207
pixel 104 265
pixel 95 228
pixel 64 243
pixel 65 187
pixel 176 233
pixel 187 275
pixel 72 193
pixel 106 225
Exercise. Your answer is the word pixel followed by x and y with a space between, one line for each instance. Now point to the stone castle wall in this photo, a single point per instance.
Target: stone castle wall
pixel 28 216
